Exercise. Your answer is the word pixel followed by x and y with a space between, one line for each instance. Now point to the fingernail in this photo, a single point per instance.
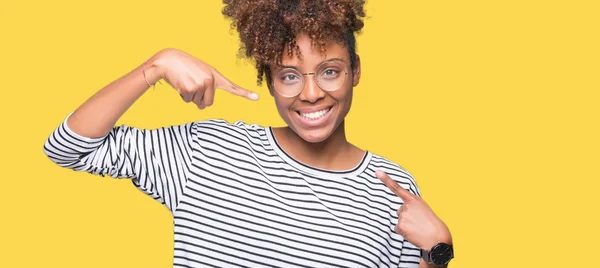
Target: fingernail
pixel 254 96
pixel 378 173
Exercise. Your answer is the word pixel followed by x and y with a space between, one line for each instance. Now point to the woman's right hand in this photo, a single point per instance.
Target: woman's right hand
pixel 195 80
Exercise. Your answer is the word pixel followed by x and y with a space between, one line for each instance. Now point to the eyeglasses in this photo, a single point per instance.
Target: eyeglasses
pixel 330 76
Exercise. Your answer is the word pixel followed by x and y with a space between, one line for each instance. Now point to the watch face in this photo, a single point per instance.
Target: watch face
pixel 441 254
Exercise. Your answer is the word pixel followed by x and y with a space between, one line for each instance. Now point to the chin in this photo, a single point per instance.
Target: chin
pixel 314 135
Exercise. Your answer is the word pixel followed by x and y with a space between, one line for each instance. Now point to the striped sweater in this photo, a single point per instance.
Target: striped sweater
pixel 238 200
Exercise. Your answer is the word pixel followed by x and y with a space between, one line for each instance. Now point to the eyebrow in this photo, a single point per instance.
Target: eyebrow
pixel 295 68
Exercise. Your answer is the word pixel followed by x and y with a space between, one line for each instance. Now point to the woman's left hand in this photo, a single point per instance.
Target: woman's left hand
pixel 417 223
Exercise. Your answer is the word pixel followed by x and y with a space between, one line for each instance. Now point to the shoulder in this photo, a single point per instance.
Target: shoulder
pixel 225 125
pixel 221 129
pixel 395 171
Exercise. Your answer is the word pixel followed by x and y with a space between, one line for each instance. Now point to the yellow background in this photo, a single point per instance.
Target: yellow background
pixel 492 105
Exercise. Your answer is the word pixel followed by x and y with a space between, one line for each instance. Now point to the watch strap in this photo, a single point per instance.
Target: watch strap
pixel 425 256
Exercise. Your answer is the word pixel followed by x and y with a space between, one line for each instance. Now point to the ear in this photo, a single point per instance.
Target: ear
pixel 356 72
pixel 270 89
pixel 269 80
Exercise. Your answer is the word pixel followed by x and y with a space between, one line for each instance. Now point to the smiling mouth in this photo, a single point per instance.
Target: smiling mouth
pixel 315 115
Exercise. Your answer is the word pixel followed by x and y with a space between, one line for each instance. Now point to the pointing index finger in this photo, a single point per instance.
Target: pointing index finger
pixel 404 194
pixel 225 84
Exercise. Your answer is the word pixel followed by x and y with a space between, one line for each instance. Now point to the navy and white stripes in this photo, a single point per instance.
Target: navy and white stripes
pixel 238 200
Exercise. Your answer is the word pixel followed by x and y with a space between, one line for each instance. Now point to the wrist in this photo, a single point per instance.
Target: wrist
pixel 153 69
pixel 439 250
pixel 442 236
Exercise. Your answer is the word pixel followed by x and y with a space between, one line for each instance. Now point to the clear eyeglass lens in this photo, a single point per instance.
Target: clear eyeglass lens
pixel 329 76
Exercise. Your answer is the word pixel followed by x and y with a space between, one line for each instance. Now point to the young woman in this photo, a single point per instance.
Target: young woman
pixel 244 195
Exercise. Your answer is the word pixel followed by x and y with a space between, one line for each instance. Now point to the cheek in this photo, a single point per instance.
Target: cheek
pixel 283 106
pixel 280 103
pixel 344 104
pixel 344 98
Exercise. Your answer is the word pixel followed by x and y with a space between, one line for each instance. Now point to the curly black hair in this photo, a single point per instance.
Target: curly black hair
pixel 267 27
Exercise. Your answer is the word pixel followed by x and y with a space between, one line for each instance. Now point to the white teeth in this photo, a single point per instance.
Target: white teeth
pixel 315 115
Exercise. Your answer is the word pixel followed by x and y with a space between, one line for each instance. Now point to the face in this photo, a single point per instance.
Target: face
pixel 315 114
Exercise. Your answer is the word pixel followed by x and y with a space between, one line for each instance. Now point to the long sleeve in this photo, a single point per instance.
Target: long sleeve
pixel 157 161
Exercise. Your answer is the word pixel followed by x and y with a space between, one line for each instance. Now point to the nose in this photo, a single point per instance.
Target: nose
pixel 311 91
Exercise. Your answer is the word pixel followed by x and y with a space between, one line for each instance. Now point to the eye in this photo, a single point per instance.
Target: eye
pixel 289 78
pixel 330 73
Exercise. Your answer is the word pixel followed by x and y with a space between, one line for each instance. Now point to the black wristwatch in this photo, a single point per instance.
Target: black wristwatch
pixel 440 254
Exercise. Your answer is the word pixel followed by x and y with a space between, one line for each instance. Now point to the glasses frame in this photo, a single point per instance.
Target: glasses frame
pixel 302 75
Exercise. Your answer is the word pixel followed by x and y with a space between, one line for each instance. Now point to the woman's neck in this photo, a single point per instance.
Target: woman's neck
pixel 334 153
